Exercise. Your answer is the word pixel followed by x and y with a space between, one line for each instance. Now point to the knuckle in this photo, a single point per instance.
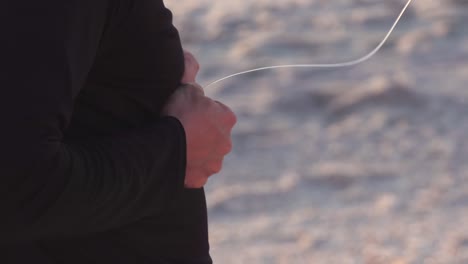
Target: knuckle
pixel 234 118
pixel 195 180
pixel 228 115
pixel 196 88
pixel 227 147
pixel 216 167
pixel 231 118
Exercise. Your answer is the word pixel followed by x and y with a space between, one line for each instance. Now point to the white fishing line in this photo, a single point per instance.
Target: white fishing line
pixel 325 65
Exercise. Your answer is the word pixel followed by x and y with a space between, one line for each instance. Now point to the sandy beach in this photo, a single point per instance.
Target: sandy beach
pixel 366 164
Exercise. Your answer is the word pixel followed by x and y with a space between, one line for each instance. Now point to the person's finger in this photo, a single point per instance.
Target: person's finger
pixel 214 166
pixel 195 180
pixel 195 86
pixel 229 117
pixel 226 147
pixel 191 61
pixel 223 142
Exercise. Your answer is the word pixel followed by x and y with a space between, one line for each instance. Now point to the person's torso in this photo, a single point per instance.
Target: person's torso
pixel 139 65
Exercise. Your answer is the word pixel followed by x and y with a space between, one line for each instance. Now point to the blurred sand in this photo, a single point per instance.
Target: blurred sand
pixel 367 164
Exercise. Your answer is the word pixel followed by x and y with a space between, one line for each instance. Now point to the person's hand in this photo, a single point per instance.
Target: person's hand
pixel 191 68
pixel 207 125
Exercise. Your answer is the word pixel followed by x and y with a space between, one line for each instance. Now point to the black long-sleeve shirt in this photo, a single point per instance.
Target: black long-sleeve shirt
pixel 89 170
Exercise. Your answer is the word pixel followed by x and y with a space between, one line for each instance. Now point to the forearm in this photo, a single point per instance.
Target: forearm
pixel 93 186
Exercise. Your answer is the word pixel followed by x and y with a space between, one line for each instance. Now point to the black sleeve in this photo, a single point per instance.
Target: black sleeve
pixel 49 188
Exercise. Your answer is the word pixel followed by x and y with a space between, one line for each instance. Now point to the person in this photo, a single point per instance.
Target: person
pixel 106 139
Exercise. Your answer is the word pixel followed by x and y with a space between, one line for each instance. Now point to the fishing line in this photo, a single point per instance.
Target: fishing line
pixel 325 65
